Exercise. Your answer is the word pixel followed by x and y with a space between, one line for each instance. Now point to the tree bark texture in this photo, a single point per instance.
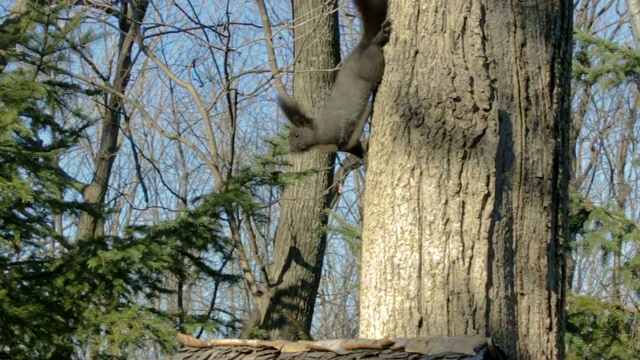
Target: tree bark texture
pixel 467 185
pixel 300 236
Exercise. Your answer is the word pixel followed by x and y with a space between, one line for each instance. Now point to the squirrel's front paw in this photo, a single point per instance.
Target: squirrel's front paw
pixel 385 32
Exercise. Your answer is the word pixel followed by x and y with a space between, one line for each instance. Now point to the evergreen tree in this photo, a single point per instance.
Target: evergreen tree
pixel 61 299
pixel 599 329
pixel 607 327
pixel 35 320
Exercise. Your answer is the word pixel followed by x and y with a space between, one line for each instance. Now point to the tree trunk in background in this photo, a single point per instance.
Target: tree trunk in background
pixel 622 192
pixel 300 237
pixel 19 9
pixel 130 18
pixel 634 13
pixel 467 185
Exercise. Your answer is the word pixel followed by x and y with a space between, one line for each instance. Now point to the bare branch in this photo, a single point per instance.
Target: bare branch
pixel 268 36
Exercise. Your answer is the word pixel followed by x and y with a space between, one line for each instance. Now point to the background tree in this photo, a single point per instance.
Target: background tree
pixel 60 299
pixel 129 16
pixel 31 137
pixel 285 307
pixel 605 174
pixel 467 234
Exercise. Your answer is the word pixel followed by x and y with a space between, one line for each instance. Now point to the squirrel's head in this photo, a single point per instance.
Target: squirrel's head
pixel 302 135
pixel 302 138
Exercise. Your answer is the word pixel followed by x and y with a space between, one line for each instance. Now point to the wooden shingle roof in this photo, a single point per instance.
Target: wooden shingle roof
pixel 460 347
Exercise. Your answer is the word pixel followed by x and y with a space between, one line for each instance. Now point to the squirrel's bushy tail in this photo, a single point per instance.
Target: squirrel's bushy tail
pixel 373 13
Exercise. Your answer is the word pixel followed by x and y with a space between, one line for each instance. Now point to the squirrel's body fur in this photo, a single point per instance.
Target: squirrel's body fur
pixel 339 125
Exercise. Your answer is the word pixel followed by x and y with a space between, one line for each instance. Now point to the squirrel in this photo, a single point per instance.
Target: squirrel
pixel 339 125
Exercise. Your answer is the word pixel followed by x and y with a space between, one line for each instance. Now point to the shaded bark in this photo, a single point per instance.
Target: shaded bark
pixel 467 185
pixel 286 308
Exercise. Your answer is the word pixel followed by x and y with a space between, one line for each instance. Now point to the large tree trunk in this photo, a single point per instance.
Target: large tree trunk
pixel 466 200
pixel 300 237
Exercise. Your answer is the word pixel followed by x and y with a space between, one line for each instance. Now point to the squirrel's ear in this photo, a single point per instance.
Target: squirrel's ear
pixel 292 111
pixel 301 121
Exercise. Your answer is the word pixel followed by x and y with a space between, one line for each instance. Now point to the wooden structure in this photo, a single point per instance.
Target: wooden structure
pixel 461 347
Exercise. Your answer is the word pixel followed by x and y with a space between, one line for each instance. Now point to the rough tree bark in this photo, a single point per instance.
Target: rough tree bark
pixel 300 237
pixel 467 185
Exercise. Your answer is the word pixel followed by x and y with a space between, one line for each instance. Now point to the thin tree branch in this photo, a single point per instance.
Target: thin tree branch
pixel 268 36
